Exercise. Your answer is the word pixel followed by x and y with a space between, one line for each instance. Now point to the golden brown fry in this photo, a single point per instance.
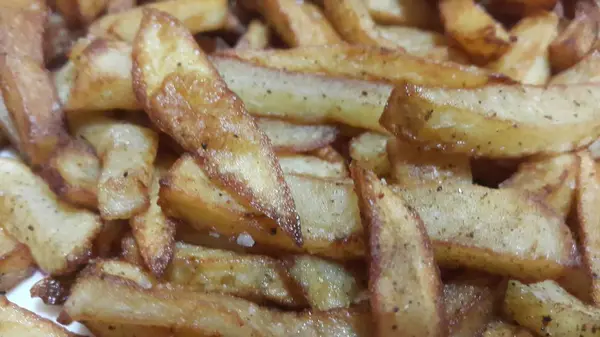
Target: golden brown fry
pixel 298 24
pixel 22 28
pixel 404 281
pixel 58 39
pixel 534 34
pixel 312 166
pixel 16 263
pixel 502 231
pixel 503 329
pixel 512 120
pixel 18 322
pixel 475 30
pixel 101 329
pixel 197 16
pixel 186 98
pixel 59 236
pixel 404 12
pixel 413 165
pixel 256 37
pixel 520 8
pixel 585 71
pixel 553 179
pixel 369 151
pixel 328 210
pixel 288 137
pixel 99 299
pixel 80 12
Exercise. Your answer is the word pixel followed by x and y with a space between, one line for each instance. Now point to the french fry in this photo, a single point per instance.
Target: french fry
pixel 502 231
pixel 404 281
pixel 22 28
pixel 328 211
pixel 256 37
pixel 585 71
pixel 16 263
pixel 312 166
pixel 197 16
pixel 16 321
pixel 292 138
pixel 475 30
pixel 404 12
pixel 99 299
pixel 413 165
pixel 534 34
pixel 503 329
pixel 520 8
pixel 59 236
pixel 512 120
pixel 369 151
pixel 58 39
pixel 101 329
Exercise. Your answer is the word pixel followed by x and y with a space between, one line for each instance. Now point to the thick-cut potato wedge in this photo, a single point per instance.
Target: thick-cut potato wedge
pixel 59 236
pixel 127 152
pixel 288 137
pixel 588 220
pixel 553 179
pixel 154 232
pixel 369 150
pixel 512 120
pixel 404 12
pixel 585 71
pixel 256 37
pixel 33 106
pixel 404 281
pixel 501 231
pixel 503 329
pixel 112 300
pixel 22 29
pixel 298 24
pixel 369 63
pixel 197 16
pixel 534 34
pixel 101 329
pixel 413 165
pixel 475 30
pixel 16 263
pixel 548 310
pixel 19 322
pixel 304 98
pixel 312 166
pixel 520 8
pixel 328 210
pixel 186 98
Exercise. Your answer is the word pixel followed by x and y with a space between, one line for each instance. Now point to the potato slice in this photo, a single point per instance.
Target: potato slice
pixel 553 179
pixel 288 137
pixel 404 12
pixel 512 120
pixel 16 263
pixel 59 236
pixel 585 71
pixel 369 151
pixel 475 30
pixel 312 166
pixel 22 29
pixel 328 209
pixel 500 231
pixel 369 63
pixel 413 165
pixel 520 8
pixel 197 16
pixel 18 322
pixel 404 281
pixel 99 299
pixel 256 37
pixel 534 34
pixel 549 310
pixel 298 24
pixel 503 329
pixel 215 126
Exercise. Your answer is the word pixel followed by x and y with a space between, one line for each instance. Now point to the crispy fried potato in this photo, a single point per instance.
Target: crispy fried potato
pixel 22 29
pixel 186 98
pixel 130 251
pixel 304 98
pixel 404 281
pixel 8 126
pixel 369 151
pixel 413 165
pixel 328 211
pixel 18 322
pixel 549 310
pixel 53 290
pixel 197 16
pixel 512 120
pixel 312 166
pixel 256 37
pixel 552 178
pixel 288 137
pixel 500 231
pixel 503 329
pixel 127 152
pixel 59 236
pixel 58 39
pixel 99 299
pixel 475 30
pixel 534 34
pixel 81 12
pixel 520 8
pixel 101 329
pixel 297 23
pixel 585 71
pixel 117 6
pixel 16 263
pixel 369 63
pixel 588 220
pixel 404 12
pixel 154 232
pixel 33 106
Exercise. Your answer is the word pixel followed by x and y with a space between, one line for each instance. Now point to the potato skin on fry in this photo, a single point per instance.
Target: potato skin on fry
pixel 16 321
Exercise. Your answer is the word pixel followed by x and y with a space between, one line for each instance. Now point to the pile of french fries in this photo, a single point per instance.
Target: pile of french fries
pixel 344 168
